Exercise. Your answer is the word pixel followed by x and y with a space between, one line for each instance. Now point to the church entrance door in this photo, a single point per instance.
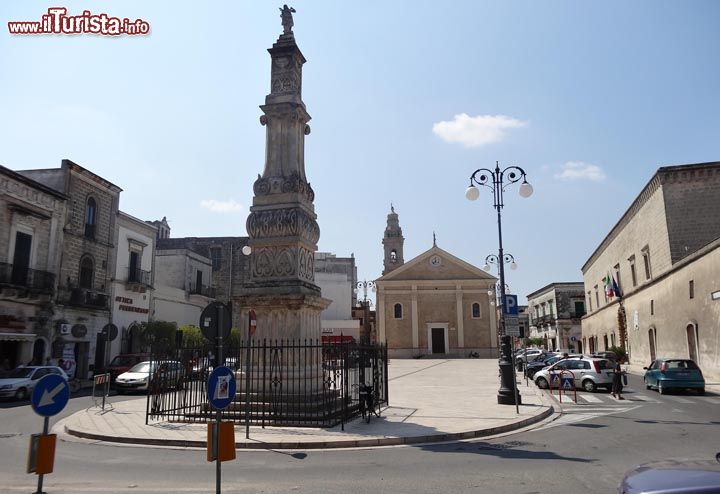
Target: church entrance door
pixel 438 340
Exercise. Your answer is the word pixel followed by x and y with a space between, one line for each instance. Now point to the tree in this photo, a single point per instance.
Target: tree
pixel 620 352
pixel 622 326
pixel 539 342
pixel 159 336
pixel 192 336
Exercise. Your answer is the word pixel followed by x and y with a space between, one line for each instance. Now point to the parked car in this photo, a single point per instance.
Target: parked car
pixel 674 373
pixel 167 373
pixel 606 355
pixel 589 373
pixel 673 476
pixel 19 383
pixel 547 361
pixel 528 355
pixel 122 363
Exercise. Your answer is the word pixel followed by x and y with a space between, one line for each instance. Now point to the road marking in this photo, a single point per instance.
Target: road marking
pixel 679 400
pixel 644 398
pixel 591 399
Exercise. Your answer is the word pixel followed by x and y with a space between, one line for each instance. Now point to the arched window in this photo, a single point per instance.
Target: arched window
pixel 476 310
pixel 90 216
pixel 393 255
pixel 398 311
pixel 87 269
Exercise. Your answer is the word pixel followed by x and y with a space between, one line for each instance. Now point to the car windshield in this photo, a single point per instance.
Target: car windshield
pixel 20 373
pixel 142 367
pixel 681 364
pixel 122 361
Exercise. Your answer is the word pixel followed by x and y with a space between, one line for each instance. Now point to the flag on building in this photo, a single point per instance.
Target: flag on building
pixel 608 283
pixel 616 288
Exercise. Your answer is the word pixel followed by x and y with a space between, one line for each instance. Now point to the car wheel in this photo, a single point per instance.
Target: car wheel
pixel 589 386
pixel 21 394
pixel 661 389
pixel 541 383
pixel 647 385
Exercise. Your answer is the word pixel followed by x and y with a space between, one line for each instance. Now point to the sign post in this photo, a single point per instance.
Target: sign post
pixel 221 389
pixel 510 316
pixel 252 326
pixel 49 397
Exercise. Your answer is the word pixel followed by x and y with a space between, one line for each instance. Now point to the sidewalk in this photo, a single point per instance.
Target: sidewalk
pixel 430 400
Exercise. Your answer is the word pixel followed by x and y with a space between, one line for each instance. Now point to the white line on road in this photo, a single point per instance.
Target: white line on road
pixel 591 399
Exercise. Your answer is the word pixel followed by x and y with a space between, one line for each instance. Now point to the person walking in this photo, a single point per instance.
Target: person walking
pixel 617 385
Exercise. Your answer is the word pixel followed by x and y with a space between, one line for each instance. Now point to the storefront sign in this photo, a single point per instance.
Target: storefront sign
pixel 68 359
pixel 126 305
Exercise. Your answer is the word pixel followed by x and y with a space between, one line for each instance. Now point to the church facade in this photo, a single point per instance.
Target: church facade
pixel 435 304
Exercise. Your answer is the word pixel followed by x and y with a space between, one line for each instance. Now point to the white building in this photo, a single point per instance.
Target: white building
pixel 337 277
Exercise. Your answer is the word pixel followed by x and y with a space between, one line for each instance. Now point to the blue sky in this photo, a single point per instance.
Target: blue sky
pixel 588 97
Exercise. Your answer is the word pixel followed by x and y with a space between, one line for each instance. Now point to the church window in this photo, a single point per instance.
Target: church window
pixel 398 311
pixel 476 310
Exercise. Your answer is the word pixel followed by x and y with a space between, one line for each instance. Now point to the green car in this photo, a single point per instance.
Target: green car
pixel 674 373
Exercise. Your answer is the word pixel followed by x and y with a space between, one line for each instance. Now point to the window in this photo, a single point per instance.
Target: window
pixel 90 216
pixel 652 307
pixel 87 269
pixel 691 286
pixel 134 267
pixel 216 257
pixel 633 274
pixel 475 310
pixel 589 301
pixel 597 297
pixel 646 262
pixel 579 308
pixel 398 311
pixel 550 308
pixel 393 256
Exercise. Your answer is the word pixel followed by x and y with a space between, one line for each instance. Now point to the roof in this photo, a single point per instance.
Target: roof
pixel 32 183
pixel 435 250
pixel 557 284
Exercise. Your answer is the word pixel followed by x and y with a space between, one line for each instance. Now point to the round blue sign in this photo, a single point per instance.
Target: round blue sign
pixel 50 395
pixel 221 387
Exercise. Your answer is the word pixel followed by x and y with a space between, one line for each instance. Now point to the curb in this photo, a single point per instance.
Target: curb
pixel 360 443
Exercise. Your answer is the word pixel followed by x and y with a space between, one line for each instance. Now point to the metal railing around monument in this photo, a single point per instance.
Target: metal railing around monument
pixel 288 383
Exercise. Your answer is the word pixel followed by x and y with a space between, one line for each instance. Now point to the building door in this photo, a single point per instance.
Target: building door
pixel 198 281
pixel 21 258
pixel 39 352
pixel 651 339
pixel 438 340
pixel 100 352
pixel 605 342
pixel 692 342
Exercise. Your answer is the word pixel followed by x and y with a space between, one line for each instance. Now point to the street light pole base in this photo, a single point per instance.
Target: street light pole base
pixel 508 387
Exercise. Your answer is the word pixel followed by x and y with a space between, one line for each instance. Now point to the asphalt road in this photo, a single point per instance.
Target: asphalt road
pixel 587 449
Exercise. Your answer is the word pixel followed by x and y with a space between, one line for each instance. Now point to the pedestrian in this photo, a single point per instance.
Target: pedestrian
pixel 617 385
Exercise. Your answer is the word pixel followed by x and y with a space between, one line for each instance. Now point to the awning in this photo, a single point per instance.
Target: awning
pixel 17 336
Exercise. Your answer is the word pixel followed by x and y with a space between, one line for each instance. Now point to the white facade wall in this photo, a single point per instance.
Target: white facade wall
pixel 336 287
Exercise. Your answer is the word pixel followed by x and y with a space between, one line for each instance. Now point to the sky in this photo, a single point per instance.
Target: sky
pixel 407 99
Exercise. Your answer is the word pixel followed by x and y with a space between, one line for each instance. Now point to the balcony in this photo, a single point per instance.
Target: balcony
pixel 139 277
pixel 83 297
pixel 204 290
pixel 32 279
pixel 546 319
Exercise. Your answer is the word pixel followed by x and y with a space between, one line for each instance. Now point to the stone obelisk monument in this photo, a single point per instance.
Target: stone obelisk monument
pixel 282 223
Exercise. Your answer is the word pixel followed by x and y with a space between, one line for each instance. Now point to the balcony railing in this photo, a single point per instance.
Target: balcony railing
pixel 26 277
pixel 138 276
pixel 547 318
pixel 83 297
pixel 204 290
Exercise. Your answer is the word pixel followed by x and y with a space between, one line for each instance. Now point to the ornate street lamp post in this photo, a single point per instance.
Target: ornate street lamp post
pixel 364 285
pixel 497 181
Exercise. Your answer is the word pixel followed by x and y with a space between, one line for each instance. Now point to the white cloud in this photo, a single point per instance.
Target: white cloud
pixel 579 170
pixel 476 131
pixel 221 206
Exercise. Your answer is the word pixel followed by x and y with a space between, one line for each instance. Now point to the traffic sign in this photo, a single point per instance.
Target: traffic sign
pixel 510 306
pixel 50 395
pixel 512 325
pixel 221 387
pixel 215 314
pixel 567 383
pixel 554 378
pixel 110 331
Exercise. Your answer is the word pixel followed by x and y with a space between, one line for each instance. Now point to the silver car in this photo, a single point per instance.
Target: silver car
pixel 588 373
pixel 20 382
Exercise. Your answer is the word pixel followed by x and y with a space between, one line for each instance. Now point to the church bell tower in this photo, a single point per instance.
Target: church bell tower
pixel 392 243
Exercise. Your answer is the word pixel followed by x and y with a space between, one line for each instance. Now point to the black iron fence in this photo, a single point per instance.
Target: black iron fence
pixel 26 277
pixel 280 383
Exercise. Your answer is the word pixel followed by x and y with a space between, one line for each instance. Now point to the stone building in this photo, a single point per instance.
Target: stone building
pixel 336 277
pixel 554 314
pixel 132 284
pixel 183 280
pixel 434 304
pixel 86 262
pixel 663 254
pixel 31 222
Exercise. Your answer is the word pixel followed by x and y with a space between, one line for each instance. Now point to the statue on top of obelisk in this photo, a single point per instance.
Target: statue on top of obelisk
pixel 287 20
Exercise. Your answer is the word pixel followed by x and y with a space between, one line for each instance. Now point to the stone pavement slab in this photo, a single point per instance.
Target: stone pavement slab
pixel 430 400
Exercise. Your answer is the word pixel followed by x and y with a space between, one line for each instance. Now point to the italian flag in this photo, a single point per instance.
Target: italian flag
pixel 608 282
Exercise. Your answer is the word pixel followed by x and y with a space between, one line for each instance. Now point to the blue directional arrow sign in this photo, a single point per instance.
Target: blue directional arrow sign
pixel 50 395
pixel 221 387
